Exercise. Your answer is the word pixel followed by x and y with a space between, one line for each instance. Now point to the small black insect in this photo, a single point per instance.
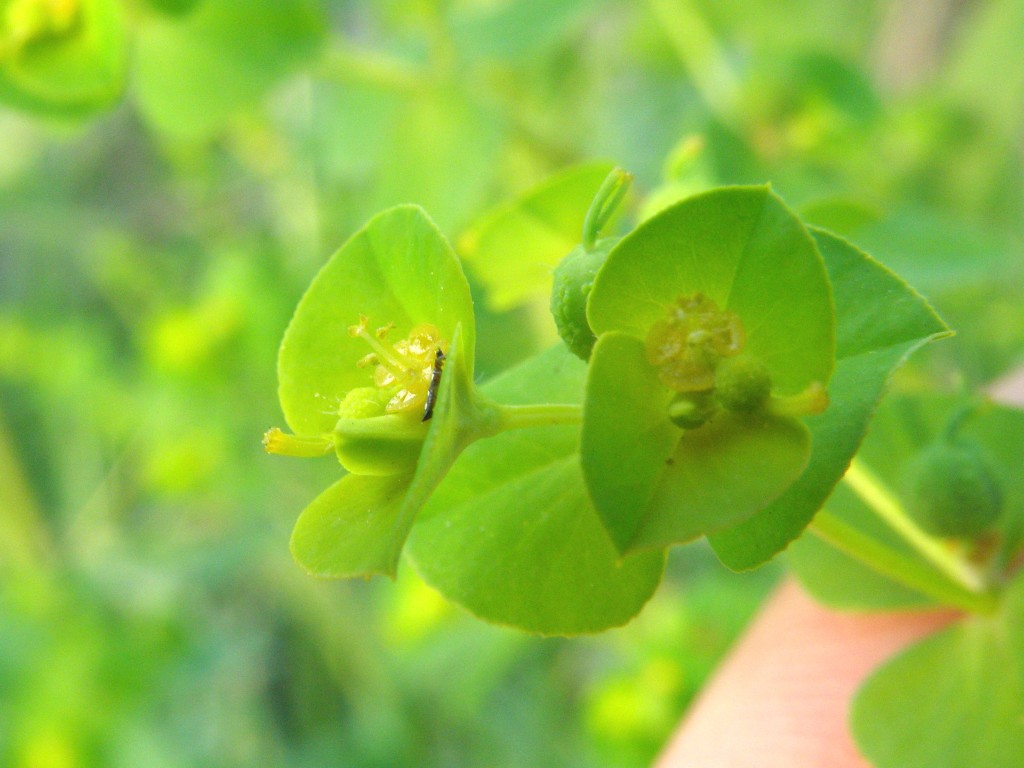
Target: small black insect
pixel 435 381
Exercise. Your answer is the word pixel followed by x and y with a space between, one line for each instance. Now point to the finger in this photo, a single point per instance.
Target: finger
pixel 781 698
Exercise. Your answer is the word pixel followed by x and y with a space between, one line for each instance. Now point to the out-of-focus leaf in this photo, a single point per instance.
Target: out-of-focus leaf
pixel 514 29
pixel 955 698
pixel 513 248
pixel 194 73
pixel 414 141
pixel 903 426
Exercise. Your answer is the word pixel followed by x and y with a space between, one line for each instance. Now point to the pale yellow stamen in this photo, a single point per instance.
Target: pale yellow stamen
pixel 403 369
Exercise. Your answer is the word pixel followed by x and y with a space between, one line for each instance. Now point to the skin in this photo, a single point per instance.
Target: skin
pixel 781 697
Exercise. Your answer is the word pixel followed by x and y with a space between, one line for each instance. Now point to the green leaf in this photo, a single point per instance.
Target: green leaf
pixel 879 322
pixel 742 248
pixel 514 30
pixel 174 7
pixel 193 73
pixel 369 144
pixel 352 529
pixel 513 248
pixel 953 699
pixel 397 269
pixel 70 73
pixel 510 533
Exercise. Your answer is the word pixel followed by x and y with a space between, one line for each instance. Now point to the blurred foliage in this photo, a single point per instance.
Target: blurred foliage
pixel 162 210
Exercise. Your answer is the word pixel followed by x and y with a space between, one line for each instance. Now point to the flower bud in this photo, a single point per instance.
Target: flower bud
pixel 573 280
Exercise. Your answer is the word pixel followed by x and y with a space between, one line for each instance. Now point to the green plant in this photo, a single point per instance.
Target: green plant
pixel 170 174
pixel 734 359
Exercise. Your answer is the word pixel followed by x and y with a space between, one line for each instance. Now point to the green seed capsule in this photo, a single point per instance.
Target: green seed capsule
pixel 742 384
pixel 573 280
pixel 952 491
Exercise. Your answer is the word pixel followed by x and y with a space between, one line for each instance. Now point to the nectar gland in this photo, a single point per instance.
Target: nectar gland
pixel 686 345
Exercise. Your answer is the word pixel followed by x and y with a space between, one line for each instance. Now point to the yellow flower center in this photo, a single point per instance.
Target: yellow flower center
pixel 402 371
pixel 687 344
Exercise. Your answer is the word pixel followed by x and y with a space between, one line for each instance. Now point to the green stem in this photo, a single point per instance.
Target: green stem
pixel 610 194
pixel 684 23
pixel 876 495
pixel 545 415
pixel 898 567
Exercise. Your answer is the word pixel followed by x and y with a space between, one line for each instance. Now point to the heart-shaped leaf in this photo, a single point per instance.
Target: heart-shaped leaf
pixel 510 533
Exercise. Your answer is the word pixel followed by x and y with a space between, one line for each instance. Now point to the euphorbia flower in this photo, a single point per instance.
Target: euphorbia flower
pixel 361 389
pixel 715 331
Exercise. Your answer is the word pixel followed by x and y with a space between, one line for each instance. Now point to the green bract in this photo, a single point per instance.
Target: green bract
pixel 61 57
pixel 879 322
pixel 398 269
pixel 358 526
pixel 724 273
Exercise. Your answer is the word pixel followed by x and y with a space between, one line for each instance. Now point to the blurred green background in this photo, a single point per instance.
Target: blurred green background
pixel 159 222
